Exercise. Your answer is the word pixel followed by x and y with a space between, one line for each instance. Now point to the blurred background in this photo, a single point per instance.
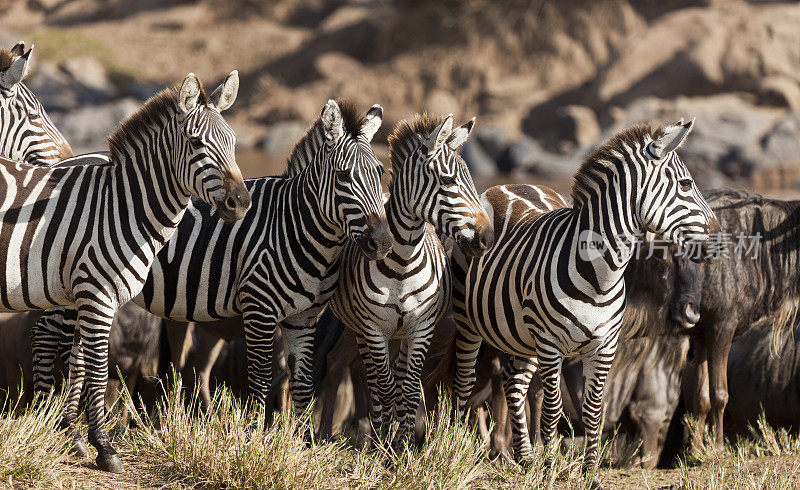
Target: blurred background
pixel 548 80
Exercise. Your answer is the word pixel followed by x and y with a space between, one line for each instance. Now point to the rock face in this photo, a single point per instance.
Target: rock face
pixel 547 82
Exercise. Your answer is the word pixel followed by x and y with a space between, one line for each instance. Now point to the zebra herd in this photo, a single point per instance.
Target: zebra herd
pixel 166 220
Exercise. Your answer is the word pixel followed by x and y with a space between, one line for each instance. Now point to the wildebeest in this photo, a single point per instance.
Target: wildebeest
pixel 752 276
pixel 766 367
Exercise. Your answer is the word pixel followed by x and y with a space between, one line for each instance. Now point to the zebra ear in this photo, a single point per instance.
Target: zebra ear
pixel 189 93
pixel 439 135
pixel 332 122
pixel 372 122
pixel 671 140
pixel 17 71
pixel 18 49
pixel 225 94
pixel 460 134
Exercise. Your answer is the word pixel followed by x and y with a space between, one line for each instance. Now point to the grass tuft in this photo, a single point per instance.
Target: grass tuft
pixel 31 449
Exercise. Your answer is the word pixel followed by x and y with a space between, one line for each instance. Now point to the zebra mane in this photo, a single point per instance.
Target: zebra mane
pixel 151 115
pixel 307 146
pixel 5 58
pixel 407 135
pixel 609 151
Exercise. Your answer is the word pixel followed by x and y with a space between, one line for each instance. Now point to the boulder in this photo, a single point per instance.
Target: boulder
pixel 440 101
pixel 479 162
pixel 53 88
pixel 90 75
pixel 493 140
pixel 779 91
pixel 781 144
pixel 577 125
pixel 282 136
pixel 522 153
pixel 91 125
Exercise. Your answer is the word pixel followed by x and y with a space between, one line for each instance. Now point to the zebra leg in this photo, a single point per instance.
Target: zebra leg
pixel 300 343
pixel 595 371
pixel 75 387
pixel 400 372
pixel 551 405
pixel 47 336
pixel 414 349
pixel 516 378
pixel 375 357
pixel 259 337
pixel 467 347
pixel 94 325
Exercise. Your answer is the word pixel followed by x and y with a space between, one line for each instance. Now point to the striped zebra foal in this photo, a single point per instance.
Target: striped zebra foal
pixel 408 291
pixel 552 286
pixel 278 265
pixel 87 234
pixel 26 132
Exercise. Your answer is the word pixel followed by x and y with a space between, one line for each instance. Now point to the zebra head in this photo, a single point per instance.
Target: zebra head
pixel 438 188
pixel 210 170
pixel 26 131
pixel 671 205
pixel 350 181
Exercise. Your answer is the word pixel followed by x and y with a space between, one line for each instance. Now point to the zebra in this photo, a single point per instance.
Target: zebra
pixel 279 264
pixel 26 132
pixel 407 292
pixel 552 286
pixel 86 234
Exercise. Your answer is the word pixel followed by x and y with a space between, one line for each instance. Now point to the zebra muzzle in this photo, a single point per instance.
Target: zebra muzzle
pixel 481 240
pixel 376 241
pixel 236 201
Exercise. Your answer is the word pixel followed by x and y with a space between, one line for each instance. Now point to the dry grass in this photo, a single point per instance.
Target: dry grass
pixel 229 446
pixel 30 450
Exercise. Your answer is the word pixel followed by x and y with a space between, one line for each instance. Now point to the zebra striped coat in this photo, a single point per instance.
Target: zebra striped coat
pixel 280 263
pixel 87 234
pixel 406 293
pixel 553 285
pixel 26 132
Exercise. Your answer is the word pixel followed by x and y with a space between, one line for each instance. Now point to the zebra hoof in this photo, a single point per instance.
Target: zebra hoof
pixel 595 485
pixel 110 463
pixel 79 448
pixel 526 462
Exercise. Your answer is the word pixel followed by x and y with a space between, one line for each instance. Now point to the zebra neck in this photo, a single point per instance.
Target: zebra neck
pixel 307 203
pixel 407 229
pixel 148 188
pixel 603 241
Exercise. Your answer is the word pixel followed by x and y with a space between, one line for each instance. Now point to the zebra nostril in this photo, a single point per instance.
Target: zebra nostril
pixel 230 202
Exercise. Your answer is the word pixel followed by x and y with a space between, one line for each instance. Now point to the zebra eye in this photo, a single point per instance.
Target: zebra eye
pixel 196 143
pixel 343 175
pixel 33 116
pixel 686 184
pixel 447 180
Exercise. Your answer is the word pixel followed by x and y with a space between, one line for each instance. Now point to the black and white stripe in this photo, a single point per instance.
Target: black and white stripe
pixel 87 234
pixel 26 132
pixel 280 263
pixel 541 295
pixel 407 292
